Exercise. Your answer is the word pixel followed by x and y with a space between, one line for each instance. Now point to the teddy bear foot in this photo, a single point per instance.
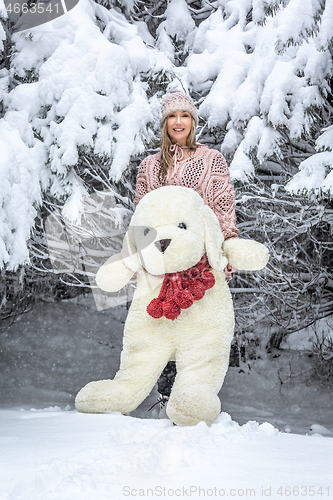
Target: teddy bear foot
pixel 104 396
pixel 193 405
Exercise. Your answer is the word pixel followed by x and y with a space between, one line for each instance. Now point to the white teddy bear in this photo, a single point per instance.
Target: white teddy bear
pixel 182 308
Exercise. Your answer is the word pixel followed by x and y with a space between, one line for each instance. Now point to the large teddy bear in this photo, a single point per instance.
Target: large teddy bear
pixel 182 308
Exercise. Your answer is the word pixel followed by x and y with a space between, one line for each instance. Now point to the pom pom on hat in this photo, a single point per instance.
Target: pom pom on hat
pixel 178 101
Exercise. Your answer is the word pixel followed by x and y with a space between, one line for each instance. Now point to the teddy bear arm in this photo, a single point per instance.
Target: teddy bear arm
pixel 113 275
pixel 245 255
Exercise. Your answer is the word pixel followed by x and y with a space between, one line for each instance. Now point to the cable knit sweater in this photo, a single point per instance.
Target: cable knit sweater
pixel 206 171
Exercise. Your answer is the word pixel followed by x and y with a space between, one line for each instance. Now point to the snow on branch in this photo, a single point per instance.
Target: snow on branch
pixel 316 172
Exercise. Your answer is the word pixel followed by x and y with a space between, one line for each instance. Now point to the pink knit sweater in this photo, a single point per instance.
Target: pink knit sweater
pixel 206 172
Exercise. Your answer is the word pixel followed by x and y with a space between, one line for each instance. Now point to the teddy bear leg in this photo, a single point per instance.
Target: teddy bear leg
pixel 194 394
pixel 138 373
pixel 193 404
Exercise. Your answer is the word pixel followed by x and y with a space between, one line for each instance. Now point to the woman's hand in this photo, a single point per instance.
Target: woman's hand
pixel 228 272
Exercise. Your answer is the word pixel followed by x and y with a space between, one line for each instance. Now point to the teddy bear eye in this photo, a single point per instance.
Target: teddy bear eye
pixel 182 225
pixel 146 231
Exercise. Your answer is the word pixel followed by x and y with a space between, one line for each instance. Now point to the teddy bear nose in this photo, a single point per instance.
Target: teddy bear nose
pixel 162 245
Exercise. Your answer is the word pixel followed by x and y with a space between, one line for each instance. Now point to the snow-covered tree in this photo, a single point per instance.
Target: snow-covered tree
pixel 263 68
pixel 176 30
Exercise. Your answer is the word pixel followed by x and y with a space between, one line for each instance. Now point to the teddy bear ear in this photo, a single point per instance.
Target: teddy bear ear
pixel 129 252
pixel 213 239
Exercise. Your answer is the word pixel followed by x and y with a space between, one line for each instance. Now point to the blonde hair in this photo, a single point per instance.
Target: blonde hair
pixel 166 155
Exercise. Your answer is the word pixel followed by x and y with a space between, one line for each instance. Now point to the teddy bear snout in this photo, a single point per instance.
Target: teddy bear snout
pixel 162 245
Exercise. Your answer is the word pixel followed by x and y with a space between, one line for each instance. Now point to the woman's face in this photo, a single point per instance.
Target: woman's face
pixel 179 126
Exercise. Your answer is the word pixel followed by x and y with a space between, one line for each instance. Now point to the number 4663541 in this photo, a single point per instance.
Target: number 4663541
pixel 23 8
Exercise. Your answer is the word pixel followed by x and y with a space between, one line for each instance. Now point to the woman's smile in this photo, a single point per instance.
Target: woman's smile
pixel 179 126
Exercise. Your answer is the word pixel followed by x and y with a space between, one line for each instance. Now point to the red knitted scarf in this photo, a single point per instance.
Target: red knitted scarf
pixel 179 290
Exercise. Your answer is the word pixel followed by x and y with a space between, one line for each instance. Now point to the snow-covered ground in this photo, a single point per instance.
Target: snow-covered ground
pixel 274 437
pixel 66 455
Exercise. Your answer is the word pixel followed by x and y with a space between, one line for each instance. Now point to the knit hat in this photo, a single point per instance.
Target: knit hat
pixel 178 101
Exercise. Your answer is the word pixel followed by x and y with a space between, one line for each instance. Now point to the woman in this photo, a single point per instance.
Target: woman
pixel 183 162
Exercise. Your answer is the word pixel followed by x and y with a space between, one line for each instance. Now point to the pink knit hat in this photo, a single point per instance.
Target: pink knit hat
pixel 178 101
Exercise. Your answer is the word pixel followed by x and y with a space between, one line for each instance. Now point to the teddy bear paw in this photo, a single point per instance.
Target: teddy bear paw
pixel 102 396
pixel 193 405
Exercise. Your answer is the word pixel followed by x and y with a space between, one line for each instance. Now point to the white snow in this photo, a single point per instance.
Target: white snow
pixel 297 19
pixel 58 454
pixel 241 165
pixel 315 173
pixel 20 192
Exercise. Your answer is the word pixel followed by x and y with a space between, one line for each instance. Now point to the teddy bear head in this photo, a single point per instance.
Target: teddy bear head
pixel 171 229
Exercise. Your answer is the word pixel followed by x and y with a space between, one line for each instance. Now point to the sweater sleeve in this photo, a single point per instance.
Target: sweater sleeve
pixel 221 196
pixel 141 182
